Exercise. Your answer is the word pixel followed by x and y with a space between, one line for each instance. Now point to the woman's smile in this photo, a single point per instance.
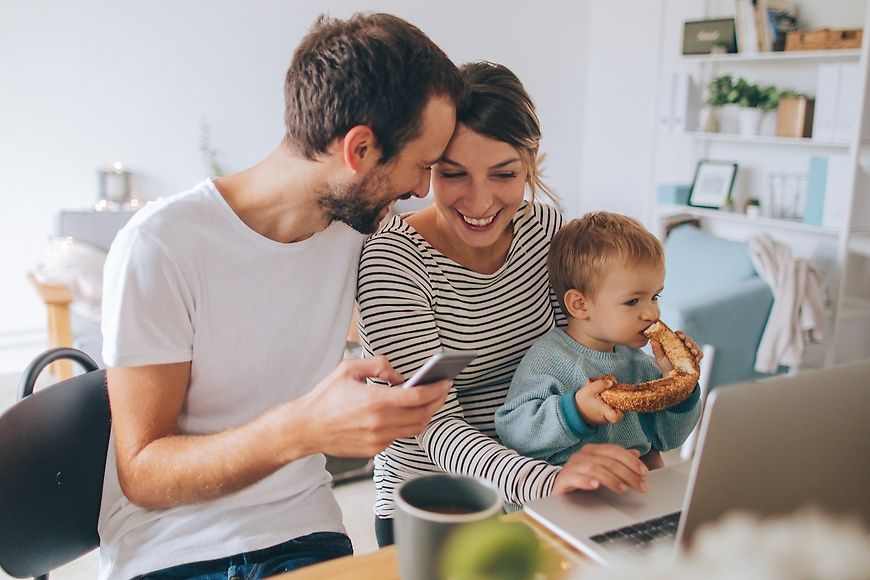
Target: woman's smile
pixel 478 224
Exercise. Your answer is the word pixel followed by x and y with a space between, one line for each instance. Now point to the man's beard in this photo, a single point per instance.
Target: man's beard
pixel 355 204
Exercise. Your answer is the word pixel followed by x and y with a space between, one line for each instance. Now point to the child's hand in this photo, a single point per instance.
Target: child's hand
pixel 662 360
pixel 592 409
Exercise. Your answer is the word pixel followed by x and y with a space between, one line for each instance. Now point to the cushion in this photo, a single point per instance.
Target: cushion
pixel 698 262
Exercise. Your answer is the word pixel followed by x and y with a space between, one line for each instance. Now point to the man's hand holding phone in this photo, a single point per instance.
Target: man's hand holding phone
pixel 442 366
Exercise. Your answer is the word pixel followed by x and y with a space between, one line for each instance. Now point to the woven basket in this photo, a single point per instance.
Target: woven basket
pixel 823 39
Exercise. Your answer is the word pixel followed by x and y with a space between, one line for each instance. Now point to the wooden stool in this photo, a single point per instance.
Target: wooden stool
pixel 57 300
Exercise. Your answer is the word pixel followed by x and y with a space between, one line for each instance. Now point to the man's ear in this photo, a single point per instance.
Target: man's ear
pixel 576 304
pixel 359 149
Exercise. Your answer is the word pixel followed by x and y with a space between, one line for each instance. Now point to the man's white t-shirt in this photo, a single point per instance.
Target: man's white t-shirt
pixel 262 323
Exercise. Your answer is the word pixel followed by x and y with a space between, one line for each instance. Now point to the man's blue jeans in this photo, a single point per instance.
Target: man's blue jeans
pixel 290 555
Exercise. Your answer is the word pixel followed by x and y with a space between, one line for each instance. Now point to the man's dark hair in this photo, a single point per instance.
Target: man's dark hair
pixel 371 69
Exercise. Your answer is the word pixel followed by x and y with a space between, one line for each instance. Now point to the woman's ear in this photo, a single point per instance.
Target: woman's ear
pixel 359 149
pixel 576 305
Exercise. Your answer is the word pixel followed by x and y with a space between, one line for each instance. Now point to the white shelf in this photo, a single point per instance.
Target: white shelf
pixel 783 56
pixel 859 243
pixel 766 140
pixel 854 307
pixel 734 217
pixel 842 251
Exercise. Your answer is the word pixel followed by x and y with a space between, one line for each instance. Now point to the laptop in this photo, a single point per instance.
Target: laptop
pixel 766 447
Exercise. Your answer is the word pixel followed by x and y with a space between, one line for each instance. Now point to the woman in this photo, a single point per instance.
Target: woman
pixel 469 272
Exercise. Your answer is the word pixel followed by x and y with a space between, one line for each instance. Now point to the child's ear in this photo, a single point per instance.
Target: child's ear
pixel 575 304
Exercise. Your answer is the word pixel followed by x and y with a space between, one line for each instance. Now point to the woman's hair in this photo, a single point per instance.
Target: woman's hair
pixel 497 106
pixel 585 248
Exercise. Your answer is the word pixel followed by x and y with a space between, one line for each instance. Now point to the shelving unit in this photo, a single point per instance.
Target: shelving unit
pixel 842 253
pixel 803 55
pixel 766 140
pixel 741 218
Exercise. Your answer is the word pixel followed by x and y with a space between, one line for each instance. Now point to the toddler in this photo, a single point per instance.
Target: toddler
pixel 607 271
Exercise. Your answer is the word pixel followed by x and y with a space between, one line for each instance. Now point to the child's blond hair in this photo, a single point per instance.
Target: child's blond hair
pixel 583 250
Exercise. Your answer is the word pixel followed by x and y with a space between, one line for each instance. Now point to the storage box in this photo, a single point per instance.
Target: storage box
pixel 674 193
pixel 823 39
pixel 794 117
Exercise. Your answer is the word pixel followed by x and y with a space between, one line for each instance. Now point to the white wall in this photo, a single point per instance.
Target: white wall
pixel 87 83
pixel 83 84
pixel 621 80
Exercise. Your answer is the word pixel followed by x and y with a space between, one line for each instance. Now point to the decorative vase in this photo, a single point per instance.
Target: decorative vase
pixel 707 120
pixel 727 115
pixel 768 124
pixel 750 121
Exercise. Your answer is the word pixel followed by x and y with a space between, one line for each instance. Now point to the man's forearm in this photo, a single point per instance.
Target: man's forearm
pixel 184 469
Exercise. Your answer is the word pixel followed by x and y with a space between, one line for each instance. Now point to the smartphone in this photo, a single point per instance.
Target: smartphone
pixel 441 366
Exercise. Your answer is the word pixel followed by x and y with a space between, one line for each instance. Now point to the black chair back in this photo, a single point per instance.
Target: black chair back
pixel 53 447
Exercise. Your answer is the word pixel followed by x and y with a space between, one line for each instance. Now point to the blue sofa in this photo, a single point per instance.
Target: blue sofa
pixel 714 295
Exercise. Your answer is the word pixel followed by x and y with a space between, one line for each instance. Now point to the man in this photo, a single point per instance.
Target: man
pixel 227 306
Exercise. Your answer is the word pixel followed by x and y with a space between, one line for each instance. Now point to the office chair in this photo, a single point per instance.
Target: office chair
pixel 53 447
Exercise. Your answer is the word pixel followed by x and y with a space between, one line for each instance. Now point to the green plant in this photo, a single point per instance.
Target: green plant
pixel 494 550
pixel 719 91
pixel 719 47
pixel 748 94
pixel 791 94
pixel 209 153
pixel 769 99
pixel 725 90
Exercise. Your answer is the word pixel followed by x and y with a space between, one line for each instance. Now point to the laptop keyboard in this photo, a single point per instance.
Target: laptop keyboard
pixel 641 536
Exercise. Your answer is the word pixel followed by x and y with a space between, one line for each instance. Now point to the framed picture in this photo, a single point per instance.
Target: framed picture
pixel 712 185
pixel 709 36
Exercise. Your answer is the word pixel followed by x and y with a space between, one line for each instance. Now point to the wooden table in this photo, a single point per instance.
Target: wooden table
pixel 382 564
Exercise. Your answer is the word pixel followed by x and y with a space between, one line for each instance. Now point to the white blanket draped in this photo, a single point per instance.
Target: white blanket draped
pixel 79 267
pixel 799 313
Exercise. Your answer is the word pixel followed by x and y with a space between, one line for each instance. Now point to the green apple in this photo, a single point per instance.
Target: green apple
pixel 492 550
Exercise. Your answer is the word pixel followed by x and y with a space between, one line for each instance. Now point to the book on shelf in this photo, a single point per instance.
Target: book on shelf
pixel 836 107
pixel 774 19
pixel 681 103
pixel 827 186
pixel 763 26
pixel 747 29
pixel 847 111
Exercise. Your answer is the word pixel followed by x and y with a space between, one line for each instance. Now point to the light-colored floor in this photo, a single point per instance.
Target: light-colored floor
pixel 356 499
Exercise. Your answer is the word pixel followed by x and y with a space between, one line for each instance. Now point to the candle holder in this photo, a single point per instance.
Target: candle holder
pixel 114 187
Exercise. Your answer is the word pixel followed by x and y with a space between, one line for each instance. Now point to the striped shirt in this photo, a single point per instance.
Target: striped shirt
pixel 414 301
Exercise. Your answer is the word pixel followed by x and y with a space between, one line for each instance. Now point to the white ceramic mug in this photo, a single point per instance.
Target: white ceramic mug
pixel 429 508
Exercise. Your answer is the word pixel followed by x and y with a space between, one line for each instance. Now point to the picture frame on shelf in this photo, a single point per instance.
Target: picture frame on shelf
pixel 712 185
pixel 712 36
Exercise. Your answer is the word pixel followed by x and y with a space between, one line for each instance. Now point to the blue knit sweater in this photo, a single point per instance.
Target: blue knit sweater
pixel 539 418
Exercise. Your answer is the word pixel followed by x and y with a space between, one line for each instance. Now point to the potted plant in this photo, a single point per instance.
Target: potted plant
pixel 753 207
pixel 754 102
pixel 719 47
pixel 722 115
pixel 748 99
pixel 769 103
